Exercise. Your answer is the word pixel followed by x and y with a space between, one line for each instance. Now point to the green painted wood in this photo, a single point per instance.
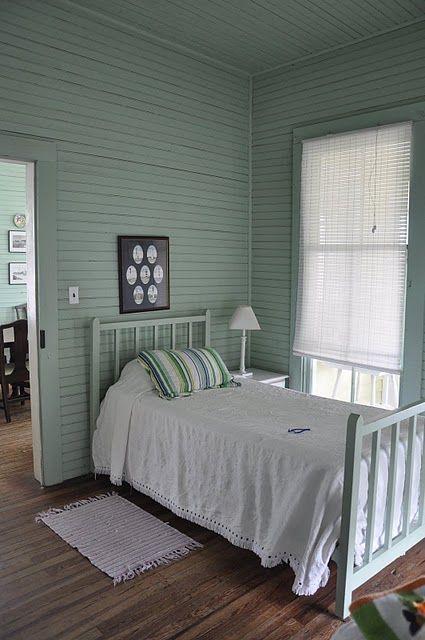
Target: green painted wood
pixel 407 496
pixel 371 495
pixel 392 485
pixel 149 141
pixel 297 366
pixel 381 74
pixel 412 383
pixel 383 557
pixel 253 35
pixel 350 577
pixel 422 494
pixel 353 452
pixel 12 201
pixel 47 312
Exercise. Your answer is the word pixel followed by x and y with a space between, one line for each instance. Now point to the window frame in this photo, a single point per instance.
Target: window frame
pixel 414 321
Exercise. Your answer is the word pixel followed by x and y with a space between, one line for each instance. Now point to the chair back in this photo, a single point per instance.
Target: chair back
pixel 18 352
pixel 21 312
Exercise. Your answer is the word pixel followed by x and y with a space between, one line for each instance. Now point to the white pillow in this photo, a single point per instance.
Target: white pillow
pixel 134 371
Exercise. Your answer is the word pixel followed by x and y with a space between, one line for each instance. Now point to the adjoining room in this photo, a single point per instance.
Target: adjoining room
pixel 16 435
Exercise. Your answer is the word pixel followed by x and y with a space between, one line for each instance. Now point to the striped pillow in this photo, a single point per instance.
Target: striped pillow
pixel 392 615
pixel 180 373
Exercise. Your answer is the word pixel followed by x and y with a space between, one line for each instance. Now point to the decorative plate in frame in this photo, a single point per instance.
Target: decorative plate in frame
pixel 20 220
pixel 144 279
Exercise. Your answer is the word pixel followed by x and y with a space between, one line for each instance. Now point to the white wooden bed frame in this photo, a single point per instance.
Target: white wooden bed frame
pixel 349 577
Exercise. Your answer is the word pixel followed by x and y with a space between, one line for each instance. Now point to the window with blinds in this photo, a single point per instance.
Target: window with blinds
pixel 353 247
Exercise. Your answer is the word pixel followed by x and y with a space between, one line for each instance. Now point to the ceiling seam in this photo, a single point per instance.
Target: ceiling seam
pixel 201 57
pixel 324 52
pixel 174 46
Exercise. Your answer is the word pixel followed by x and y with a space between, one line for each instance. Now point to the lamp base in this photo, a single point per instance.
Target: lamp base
pixel 245 374
pixel 242 370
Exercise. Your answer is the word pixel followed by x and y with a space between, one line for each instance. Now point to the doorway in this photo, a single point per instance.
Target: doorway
pixel 19 415
pixel 40 158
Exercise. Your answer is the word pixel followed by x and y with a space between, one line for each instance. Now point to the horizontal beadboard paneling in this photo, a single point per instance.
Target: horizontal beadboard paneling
pixel 380 73
pixel 150 141
pixel 254 35
pixel 12 201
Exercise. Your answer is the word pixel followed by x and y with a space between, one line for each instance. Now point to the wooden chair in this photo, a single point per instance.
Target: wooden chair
pixel 14 374
pixel 21 312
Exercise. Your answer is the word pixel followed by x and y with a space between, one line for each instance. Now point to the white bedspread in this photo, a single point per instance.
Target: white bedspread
pixel 224 459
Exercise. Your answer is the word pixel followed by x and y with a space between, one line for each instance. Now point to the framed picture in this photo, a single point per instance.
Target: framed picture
pixel 17 241
pixel 144 278
pixel 17 273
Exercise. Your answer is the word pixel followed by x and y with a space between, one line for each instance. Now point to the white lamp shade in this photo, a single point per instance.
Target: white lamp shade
pixel 244 318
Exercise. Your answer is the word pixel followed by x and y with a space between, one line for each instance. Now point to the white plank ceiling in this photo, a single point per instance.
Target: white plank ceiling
pixel 256 35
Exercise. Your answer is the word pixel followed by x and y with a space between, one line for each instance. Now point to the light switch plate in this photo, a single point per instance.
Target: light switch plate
pixel 74 295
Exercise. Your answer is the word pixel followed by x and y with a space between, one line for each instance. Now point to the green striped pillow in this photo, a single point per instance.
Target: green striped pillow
pixel 180 373
pixel 394 615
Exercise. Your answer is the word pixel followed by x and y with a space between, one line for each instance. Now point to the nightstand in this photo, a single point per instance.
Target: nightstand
pixel 266 377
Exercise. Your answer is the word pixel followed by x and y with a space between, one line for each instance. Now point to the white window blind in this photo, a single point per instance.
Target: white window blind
pixel 353 247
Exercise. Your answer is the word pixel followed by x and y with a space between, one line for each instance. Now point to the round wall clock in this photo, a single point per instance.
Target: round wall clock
pixel 20 220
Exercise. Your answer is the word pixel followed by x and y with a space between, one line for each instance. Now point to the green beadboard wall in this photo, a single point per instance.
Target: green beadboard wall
pixel 386 71
pixel 12 201
pixel 150 141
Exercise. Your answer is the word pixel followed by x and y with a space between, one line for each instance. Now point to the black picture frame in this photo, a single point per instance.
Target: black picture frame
pixel 143 273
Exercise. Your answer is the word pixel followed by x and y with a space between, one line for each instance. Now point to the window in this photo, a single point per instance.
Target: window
pixel 353 257
pixel 353 384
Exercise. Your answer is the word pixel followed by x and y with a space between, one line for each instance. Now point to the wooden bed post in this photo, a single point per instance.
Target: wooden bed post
pixel 353 449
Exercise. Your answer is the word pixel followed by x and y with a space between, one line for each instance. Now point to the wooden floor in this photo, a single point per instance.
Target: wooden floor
pixel 48 590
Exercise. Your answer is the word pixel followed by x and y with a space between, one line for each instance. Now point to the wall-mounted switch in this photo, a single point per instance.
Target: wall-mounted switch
pixel 74 295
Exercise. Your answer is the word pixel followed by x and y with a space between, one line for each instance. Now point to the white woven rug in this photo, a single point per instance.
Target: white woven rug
pixel 117 536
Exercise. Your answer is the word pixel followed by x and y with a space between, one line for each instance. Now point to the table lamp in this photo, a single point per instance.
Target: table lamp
pixel 244 319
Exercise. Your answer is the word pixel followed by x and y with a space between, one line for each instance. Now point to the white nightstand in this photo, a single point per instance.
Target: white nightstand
pixel 266 377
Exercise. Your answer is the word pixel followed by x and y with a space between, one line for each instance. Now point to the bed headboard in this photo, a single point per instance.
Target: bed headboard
pixel 136 328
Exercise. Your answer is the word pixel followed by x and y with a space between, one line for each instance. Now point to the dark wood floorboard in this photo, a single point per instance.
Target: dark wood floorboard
pixel 48 590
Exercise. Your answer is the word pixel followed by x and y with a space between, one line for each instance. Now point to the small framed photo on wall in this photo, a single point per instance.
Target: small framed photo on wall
pixel 17 273
pixel 144 278
pixel 17 241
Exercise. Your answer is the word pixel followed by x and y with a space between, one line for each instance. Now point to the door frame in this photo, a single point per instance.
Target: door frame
pixel 411 375
pixel 47 449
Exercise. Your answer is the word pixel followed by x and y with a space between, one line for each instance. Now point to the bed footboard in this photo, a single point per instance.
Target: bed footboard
pixel 349 576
